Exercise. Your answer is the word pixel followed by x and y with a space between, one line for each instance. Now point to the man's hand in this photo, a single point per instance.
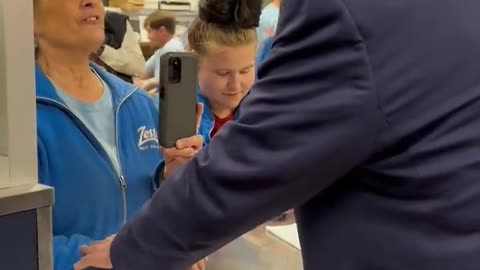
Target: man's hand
pixel 147 85
pixel 269 32
pixel 152 92
pixel 201 265
pixel 97 254
pixel 184 150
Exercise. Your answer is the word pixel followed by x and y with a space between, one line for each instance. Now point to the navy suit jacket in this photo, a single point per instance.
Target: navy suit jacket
pixel 366 118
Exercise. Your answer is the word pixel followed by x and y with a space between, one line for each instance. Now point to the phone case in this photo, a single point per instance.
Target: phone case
pixel 178 99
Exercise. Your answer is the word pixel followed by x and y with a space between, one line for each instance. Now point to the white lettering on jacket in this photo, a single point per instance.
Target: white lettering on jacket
pixel 147 138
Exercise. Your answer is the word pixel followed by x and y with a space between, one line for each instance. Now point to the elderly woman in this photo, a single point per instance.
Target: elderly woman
pixel 97 141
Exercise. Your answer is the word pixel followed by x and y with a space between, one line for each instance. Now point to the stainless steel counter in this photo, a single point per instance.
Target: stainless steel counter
pixel 25 197
pixel 256 250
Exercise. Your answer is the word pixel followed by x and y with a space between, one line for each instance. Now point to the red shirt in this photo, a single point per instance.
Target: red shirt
pixel 219 122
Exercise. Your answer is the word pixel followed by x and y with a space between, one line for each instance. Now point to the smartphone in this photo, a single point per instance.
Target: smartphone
pixel 178 98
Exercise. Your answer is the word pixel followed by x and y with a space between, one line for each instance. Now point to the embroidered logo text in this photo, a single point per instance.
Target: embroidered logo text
pixel 147 138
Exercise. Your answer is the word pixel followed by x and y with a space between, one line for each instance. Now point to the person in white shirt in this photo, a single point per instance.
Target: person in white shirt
pixel 160 26
pixel 268 22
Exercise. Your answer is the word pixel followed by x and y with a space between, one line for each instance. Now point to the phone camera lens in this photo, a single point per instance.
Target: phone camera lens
pixel 174 70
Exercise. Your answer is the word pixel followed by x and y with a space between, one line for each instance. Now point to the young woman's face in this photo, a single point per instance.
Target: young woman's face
pixel 226 75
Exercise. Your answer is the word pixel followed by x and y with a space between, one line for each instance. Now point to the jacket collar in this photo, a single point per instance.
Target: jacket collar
pixel 46 90
pixel 206 111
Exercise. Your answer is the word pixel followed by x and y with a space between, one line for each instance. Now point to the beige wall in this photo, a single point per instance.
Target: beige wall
pixel 18 129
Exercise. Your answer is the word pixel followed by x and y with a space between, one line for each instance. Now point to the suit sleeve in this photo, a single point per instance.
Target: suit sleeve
pixel 310 119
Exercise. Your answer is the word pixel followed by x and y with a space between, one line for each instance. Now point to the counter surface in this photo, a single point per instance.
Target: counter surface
pixel 25 197
pixel 256 250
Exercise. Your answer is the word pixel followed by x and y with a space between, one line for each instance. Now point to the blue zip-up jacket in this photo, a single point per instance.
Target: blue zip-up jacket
pixel 207 121
pixel 92 200
pixel 264 50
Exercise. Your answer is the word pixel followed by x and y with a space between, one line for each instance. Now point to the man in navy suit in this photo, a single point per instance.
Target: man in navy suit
pixel 366 118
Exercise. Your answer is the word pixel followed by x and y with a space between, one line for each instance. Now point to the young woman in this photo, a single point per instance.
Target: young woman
pixel 225 46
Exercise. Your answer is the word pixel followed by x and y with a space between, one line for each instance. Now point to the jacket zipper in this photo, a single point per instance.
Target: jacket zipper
pixel 123 183
pixel 123 187
pixel 120 177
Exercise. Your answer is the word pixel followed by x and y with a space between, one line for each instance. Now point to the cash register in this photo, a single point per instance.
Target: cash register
pixel 25 206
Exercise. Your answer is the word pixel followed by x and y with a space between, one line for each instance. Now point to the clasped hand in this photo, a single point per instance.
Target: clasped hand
pixel 97 254
pixel 184 150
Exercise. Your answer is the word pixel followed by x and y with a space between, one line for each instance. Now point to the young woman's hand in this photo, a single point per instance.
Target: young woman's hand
pixel 184 150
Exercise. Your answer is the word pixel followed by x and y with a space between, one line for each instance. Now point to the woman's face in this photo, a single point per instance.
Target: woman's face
pixel 70 24
pixel 226 75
